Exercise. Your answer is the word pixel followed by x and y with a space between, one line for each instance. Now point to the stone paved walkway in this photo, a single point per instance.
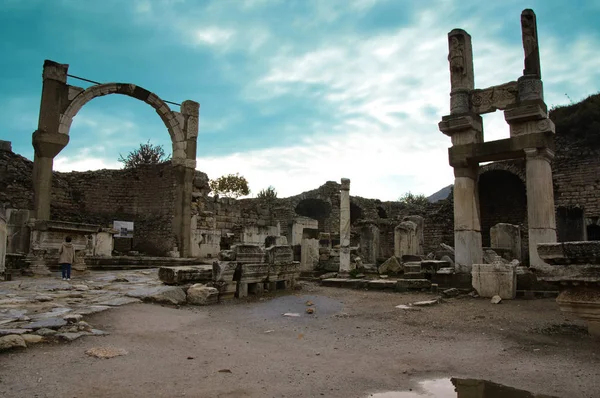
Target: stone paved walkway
pixel 37 309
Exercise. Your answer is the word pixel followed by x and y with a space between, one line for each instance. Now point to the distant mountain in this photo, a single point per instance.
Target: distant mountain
pixel 441 194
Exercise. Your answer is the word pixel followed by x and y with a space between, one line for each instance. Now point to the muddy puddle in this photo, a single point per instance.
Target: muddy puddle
pixel 295 307
pixel 459 388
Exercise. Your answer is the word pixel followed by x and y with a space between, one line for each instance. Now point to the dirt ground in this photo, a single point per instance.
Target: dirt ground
pixel 355 344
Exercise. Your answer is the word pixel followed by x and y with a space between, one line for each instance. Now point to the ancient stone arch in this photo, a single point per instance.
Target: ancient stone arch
pixel 503 166
pixel 60 104
pixel 531 137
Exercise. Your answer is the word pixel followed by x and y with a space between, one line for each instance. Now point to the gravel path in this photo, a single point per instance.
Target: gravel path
pixel 355 344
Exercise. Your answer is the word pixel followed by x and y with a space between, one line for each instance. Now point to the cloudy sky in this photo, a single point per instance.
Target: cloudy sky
pixel 293 93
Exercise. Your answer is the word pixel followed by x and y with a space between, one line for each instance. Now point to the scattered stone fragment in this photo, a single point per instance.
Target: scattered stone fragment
pixel 94 309
pixel 309 303
pixel 225 371
pixel 43 298
pixel 84 326
pixel 407 307
pixel 32 338
pixel 291 314
pixel 310 310
pixel 120 301
pixel 496 300
pixel 160 294
pixel 199 294
pixel 98 332
pixel 426 303
pixel 328 275
pixel 50 323
pixel 69 336
pixel 12 341
pixel 106 352
pixel 453 292
pixel 391 266
pixel 81 288
pixel 6 332
pixel 73 318
pixel 45 332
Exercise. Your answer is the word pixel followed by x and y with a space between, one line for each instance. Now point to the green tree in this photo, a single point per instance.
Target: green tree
pixel 231 185
pixel 267 193
pixel 145 154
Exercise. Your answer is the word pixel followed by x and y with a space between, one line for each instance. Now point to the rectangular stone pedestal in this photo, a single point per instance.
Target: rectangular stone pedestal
pixel 495 280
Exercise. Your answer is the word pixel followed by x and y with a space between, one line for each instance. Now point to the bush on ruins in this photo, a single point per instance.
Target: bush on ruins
pixel 267 193
pixel 145 154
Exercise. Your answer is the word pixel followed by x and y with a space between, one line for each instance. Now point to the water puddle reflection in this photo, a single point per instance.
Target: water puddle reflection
pixel 460 388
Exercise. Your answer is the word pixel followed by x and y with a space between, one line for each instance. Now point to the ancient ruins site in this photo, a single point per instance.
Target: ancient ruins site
pixel 493 291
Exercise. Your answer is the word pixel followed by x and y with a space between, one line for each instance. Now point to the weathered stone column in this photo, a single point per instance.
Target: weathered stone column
pixel 47 141
pixel 2 240
pixel 467 224
pixel 541 216
pixel 345 226
pixel 184 165
pixel 420 232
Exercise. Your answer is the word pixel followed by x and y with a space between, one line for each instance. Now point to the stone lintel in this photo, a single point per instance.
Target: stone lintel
pixel 64 226
pixel 510 148
pixel 525 113
pixel 451 124
pixel 493 98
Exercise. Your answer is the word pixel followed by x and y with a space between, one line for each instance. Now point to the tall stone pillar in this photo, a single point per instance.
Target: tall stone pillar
pixel 345 226
pixel 3 237
pixel 47 141
pixel 464 127
pixel 541 216
pixel 467 224
pixel 185 169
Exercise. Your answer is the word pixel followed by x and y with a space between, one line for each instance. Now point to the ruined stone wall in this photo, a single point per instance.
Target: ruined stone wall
pixel 576 167
pixel 144 195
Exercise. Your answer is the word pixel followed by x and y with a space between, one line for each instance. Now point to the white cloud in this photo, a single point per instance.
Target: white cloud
pixel 213 36
pixel 83 161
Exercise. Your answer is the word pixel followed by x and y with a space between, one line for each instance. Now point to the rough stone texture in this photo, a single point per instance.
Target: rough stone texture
pixel 406 241
pixel 507 236
pixel 496 279
pixel 50 323
pixel 345 226
pixel 3 236
pixel 184 275
pixel 199 294
pixel 160 294
pixel 391 266
pixel 12 341
pixel 32 338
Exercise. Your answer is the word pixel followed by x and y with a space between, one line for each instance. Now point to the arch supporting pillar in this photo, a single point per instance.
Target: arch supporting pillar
pixel 47 141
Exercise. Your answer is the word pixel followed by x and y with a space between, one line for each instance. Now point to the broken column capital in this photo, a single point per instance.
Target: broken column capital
pixel 539 153
pixel 55 71
pixel 345 184
pixel 451 124
pixel 48 145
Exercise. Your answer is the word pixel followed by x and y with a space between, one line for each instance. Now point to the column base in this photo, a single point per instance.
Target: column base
pixel 467 250
pixel 536 236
